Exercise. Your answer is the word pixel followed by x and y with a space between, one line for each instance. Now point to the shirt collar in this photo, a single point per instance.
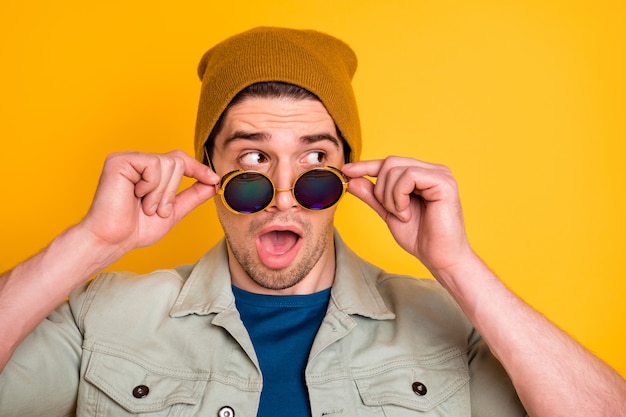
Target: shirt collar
pixel 208 288
pixel 355 287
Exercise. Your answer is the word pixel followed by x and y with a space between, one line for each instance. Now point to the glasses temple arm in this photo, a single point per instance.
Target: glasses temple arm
pixel 208 160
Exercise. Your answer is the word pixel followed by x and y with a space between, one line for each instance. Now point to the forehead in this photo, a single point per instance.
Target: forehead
pixel 256 118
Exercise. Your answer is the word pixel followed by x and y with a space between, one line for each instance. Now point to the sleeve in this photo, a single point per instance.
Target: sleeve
pixel 41 379
pixel 491 390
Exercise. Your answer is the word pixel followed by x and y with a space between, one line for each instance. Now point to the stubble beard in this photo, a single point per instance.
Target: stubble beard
pixel 280 279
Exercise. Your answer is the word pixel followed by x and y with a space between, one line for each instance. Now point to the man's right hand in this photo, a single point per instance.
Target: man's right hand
pixel 136 202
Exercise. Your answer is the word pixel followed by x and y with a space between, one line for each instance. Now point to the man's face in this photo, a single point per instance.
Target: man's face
pixel 283 248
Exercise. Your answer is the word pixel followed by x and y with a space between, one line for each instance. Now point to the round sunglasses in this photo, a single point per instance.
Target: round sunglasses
pixel 248 192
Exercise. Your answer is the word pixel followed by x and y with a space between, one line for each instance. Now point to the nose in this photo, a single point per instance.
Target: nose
pixel 283 197
pixel 283 200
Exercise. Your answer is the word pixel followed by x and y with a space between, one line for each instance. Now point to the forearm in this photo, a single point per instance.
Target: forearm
pixel 30 291
pixel 552 373
pixel 135 205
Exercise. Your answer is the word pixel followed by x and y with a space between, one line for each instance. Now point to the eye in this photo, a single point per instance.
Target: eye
pixel 252 159
pixel 314 158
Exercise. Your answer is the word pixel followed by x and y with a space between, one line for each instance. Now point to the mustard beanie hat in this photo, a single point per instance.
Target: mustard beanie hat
pixel 315 61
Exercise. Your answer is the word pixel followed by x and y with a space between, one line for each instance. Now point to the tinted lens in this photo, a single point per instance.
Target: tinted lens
pixel 318 189
pixel 248 192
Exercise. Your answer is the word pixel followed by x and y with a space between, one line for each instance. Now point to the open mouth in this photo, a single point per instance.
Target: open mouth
pixel 279 242
pixel 278 248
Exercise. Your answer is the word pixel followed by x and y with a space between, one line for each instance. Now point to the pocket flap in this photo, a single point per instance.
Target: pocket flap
pixel 139 386
pixel 416 383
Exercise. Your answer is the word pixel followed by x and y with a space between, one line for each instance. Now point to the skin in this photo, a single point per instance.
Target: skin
pixel 137 203
pixel 285 248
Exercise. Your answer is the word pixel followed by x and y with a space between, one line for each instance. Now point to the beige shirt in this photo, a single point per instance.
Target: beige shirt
pixel 171 343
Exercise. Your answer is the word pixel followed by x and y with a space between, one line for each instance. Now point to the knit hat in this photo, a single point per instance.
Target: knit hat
pixel 315 61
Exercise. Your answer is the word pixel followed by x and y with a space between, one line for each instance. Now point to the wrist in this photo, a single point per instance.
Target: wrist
pixel 91 253
pixel 470 282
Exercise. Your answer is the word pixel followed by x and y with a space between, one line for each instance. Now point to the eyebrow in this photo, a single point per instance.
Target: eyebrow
pixel 265 137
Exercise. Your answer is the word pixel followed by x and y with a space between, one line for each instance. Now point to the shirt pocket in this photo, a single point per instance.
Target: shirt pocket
pixel 434 385
pixel 122 384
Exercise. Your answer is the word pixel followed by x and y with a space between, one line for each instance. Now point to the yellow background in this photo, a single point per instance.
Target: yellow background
pixel 524 100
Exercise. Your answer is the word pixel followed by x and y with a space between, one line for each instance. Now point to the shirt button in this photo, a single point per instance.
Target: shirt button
pixel 226 411
pixel 140 391
pixel 419 388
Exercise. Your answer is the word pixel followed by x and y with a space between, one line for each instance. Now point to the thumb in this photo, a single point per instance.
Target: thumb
pixel 192 197
pixel 363 189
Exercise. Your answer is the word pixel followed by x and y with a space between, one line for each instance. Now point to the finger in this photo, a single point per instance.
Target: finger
pixel 148 170
pixel 400 194
pixel 358 169
pixel 190 198
pixel 197 170
pixel 400 180
pixel 363 189
pixel 370 168
pixel 162 171
pixel 147 167
pixel 189 167
pixel 395 192
pixel 384 191
pixel 167 196
pixel 162 177
pixel 374 167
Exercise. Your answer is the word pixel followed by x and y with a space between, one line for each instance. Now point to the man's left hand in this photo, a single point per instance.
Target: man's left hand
pixel 419 202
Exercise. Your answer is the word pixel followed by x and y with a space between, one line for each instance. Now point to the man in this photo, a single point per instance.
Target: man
pixel 281 318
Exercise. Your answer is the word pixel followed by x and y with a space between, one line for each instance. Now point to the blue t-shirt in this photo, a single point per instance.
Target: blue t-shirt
pixel 282 329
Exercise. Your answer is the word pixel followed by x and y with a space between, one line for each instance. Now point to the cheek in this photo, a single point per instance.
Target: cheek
pixel 237 227
pixel 323 221
pixel 227 218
